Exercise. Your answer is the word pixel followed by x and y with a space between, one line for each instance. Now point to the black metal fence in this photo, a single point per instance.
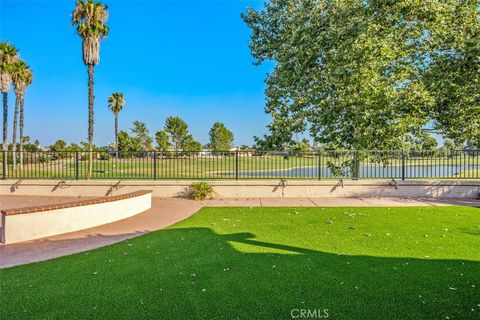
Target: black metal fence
pixel 329 164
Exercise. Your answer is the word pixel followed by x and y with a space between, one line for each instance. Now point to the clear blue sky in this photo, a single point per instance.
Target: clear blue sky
pixel 169 58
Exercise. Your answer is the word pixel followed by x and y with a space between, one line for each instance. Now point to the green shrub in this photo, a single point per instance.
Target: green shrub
pixel 105 156
pixel 201 191
pixel 43 158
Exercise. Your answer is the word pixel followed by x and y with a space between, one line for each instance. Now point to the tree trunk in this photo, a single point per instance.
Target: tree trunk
pixel 116 136
pixel 356 156
pixel 21 133
pixel 5 131
pixel 91 98
pixel 15 127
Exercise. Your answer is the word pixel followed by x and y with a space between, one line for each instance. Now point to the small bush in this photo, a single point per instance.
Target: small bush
pixel 43 158
pixel 105 156
pixel 201 191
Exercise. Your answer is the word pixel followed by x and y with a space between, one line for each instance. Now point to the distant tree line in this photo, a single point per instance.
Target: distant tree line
pixel 172 139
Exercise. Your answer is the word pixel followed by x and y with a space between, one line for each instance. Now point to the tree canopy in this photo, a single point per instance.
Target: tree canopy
pixel 453 75
pixel 140 139
pixel 8 58
pixel 221 139
pixel 116 102
pixel 59 145
pixel 90 17
pixel 162 140
pixel 177 129
pixel 190 144
pixel 142 135
pixel 125 143
pixel 368 74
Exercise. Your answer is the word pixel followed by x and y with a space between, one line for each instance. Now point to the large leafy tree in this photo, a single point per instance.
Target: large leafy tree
pixel 28 146
pixel 181 139
pixel 454 72
pixel 142 136
pixel 162 140
pixel 59 145
pixel 116 102
pixel 138 141
pixel 124 143
pixel 351 73
pixel 449 145
pixel 178 131
pixel 90 17
pixel 128 145
pixel 221 139
pixel 8 58
pixel 424 142
pixel 280 136
pixel 190 144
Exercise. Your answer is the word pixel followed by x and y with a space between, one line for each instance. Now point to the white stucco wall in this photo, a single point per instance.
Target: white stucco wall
pixel 250 188
pixel 22 227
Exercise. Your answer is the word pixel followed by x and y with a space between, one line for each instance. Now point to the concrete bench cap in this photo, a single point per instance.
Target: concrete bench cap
pixel 49 207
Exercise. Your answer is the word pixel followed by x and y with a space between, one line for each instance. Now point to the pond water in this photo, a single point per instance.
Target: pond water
pixel 439 171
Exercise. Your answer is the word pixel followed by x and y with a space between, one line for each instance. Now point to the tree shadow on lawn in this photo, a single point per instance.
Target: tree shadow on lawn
pixel 188 273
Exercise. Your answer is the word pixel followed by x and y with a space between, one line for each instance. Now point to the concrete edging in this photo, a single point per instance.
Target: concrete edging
pixel 250 188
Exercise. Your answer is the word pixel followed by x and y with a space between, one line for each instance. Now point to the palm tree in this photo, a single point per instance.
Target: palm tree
pixel 18 78
pixel 90 17
pixel 27 78
pixel 116 103
pixel 8 57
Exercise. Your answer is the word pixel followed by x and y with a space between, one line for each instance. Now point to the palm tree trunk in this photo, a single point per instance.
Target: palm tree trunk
pixel 5 131
pixel 21 133
pixel 91 98
pixel 116 136
pixel 15 127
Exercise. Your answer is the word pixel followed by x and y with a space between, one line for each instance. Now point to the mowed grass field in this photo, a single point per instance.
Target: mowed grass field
pixel 181 167
pixel 267 263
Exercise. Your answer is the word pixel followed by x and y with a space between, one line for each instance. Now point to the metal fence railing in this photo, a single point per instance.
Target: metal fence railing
pixel 329 164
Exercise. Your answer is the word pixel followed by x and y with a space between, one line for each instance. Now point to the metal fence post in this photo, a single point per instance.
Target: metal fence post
pixel 154 165
pixel 236 164
pixel 356 166
pixel 403 164
pixel 76 165
pixel 319 173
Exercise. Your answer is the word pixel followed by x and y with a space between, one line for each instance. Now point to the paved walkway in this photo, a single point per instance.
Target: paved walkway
pixel 163 213
pixel 338 202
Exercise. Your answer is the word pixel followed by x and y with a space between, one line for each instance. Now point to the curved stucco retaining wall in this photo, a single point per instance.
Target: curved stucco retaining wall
pixel 38 222
pixel 250 188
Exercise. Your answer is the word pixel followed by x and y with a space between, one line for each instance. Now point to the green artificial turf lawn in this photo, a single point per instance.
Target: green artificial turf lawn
pixel 260 263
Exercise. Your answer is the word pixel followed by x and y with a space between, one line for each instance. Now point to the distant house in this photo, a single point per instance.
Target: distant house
pixel 205 152
pixel 111 147
pixel 243 152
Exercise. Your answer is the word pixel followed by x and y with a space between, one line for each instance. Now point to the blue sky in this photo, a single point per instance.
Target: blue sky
pixel 182 58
